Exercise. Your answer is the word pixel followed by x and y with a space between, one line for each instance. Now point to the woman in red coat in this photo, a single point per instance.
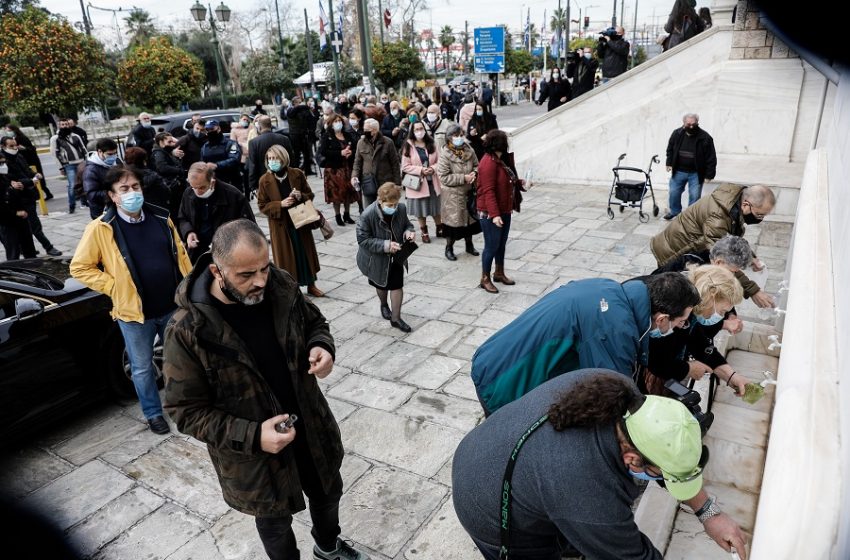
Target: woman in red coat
pixel 495 202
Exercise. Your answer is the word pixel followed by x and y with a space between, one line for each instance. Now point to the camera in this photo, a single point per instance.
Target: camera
pixel 691 400
pixel 610 32
pixel 572 56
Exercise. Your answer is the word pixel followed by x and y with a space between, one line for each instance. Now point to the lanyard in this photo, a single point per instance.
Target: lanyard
pixel 505 514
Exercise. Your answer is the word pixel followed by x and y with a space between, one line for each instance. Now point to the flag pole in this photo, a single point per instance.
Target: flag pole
pixel 381 17
pixel 334 46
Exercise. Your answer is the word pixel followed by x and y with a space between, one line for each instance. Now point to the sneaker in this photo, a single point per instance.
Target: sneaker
pixel 54 252
pixel 343 551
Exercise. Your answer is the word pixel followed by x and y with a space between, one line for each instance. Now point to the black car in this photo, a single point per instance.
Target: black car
pixel 60 350
pixel 176 123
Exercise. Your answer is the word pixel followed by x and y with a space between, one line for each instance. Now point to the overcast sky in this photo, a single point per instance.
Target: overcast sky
pixel 441 12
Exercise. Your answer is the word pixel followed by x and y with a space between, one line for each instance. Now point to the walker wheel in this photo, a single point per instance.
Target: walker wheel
pixel 643 218
pixel 611 213
pixel 622 208
pixel 655 211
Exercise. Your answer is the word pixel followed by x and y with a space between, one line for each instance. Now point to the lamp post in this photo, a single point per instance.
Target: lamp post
pixel 199 13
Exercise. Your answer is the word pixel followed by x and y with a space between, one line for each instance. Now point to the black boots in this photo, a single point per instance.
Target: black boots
pixel 470 248
pixel 346 217
pixel 450 250
pixel 339 221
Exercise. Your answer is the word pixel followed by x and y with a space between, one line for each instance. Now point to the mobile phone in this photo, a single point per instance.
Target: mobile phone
pixel 284 426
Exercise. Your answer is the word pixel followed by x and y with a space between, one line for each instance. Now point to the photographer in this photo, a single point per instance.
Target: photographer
pixel 582 69
pixel 556 89
pixel 572 448
pixel 613 50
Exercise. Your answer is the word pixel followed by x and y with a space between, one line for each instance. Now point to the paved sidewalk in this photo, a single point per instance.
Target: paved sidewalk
pixel 403 401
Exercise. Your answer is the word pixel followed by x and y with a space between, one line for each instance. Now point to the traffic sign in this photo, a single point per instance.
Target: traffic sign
pixel 489 40
pixel 490 63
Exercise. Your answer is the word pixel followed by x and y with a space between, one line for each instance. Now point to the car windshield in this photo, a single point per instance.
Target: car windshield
pixel 47 274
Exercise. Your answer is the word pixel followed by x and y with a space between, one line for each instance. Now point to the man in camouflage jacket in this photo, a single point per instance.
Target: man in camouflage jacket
pixel 242 353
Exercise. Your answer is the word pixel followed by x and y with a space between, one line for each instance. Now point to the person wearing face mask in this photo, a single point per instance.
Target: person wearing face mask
pixel 258 147
pixel 457 170
pixel 206 206
pixel 98 165
pixel 239 133
pixel 385 102
pixel 294 250
pixel 683 23
pixel 479 125
pixel 597 322
pixel 192 143
pixel 14 225
pixel 726 211
pixel 688 353
pixel 582 70
pixel 376 161
pixel 165 160
pixel 133 254
pixel 437 126
pixel 144 132
pixel 381 231
pixel 575 447
pixel 419 158
pixel 691 160
pixel 337 150
pixel 448 112
pixel 556 89
pixel 391 127
pixel 221 154
pixel 613 50
pixel 70 152
pixel 258 109
pixel 30 154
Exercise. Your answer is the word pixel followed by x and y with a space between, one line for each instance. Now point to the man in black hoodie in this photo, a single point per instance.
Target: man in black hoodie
pixel 299 131
pixel 691 159
pixel 144 132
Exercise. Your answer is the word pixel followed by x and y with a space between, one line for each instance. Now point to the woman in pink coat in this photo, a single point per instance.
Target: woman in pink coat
pixel 419 158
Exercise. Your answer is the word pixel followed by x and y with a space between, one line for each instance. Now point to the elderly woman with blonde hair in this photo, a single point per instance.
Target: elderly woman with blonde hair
pixel 293 250
pixel 688 352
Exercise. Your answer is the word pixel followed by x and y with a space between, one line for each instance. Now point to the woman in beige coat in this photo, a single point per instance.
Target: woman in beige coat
pixel 457 170
pixel 294 250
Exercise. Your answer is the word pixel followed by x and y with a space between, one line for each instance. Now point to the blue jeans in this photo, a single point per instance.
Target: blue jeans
pixel 71 174
pixel 677 187
pixel 495 239
pixel 139 339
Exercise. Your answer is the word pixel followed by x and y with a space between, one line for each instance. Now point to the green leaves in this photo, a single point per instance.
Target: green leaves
pixel 159 74
pixel 261 72
pixel 395 63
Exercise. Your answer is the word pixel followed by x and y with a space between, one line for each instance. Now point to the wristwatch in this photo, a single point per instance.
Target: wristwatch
pixel 708 510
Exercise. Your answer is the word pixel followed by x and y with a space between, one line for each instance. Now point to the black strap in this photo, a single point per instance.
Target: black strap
pixel 506 488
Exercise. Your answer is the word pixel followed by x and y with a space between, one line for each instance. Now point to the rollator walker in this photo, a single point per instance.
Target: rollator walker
pixel 630 193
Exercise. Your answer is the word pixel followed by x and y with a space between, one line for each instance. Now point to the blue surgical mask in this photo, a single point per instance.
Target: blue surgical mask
pixel 656 332
pixel 244 124
pixel 457 141
pixel 713 320
pixel 275 166
pixel 132 201
pixel 644 476
pixel 388 211
pixel 110 160
pixel 588 55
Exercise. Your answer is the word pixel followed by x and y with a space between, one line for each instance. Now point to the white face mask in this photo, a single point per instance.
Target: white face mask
pixel 432 117
pixel 11 151
pixel 394 112
pixel 353 123
pixel 4 169
pixel 207 193
pixel 419 134
pixel 479 113
pixel 337 126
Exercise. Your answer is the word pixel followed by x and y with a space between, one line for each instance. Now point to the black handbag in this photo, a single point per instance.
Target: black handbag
pixel 472 203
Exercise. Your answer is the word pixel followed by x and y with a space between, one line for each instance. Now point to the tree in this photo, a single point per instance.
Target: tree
pixel 395 63
pixel 518 61
pixel 447 39
pixel 349 73
pixel 141 27
pixel 261 72
pixel 159 74
pixel 199 44
pixel 47 66
pixel 559 20
pixel 16 6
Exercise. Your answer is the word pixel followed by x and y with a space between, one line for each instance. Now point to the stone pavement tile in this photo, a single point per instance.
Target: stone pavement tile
pixel 570 259
pixel 748 461
pixel 338 373
pixel 466 276
pixel 458 318
pixel 548 227
pixel 474 303
pixel 607 234
pixel 741 506
pixel 330 272
pixel 690 542
pixel 533 257
pixel 569 235
pixel 379 325
pixel 461 386
pixel 645 259
pixel 76 424
pixel 342 263
pixel 360 348
pixel 587 224
pixel 431 290
pixel 135 445
pixel 412 445
pixel 157 536
pixel 462 351
pixel 427 307
pixel 386 520
pixel 479 336
pixel 775 234
pixel 432 334
pixel 422 274
pixel 650 229
pixel 332 308
pixel 552 246
pixel 340 409
pixel 352 292
pixel 442 409
pixel 204 547
pixel 549 270
pixel 235 537
pixel 586 213
pixel 530 235
pixel 367 391
pixel 76 495
pixel 595 244
pixel 351 274
pixel 433 372
pixel 442 537
pixel 444 476
pixel 351 323
pixel 514 303
pixel 517 248
pixel 116 432
pixel 184 473
pixel 113 519
pixel 353 467
pixel 339 249
pixel 395 360
pixel 740 425
pixel 30 468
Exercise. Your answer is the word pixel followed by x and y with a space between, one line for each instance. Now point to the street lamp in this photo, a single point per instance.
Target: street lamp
pixel 199 14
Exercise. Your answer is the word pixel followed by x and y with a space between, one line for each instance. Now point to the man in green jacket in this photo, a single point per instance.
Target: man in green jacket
pixel 726 211
pixel 242 354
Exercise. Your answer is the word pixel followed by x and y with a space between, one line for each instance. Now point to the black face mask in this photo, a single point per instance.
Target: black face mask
pixel 213 136
pixel 692 129
pixel 752 219
pixel 64 131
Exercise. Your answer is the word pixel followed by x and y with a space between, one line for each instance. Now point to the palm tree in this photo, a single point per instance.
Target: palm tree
pixel 558 24
pixel 140 25
pixel 447 39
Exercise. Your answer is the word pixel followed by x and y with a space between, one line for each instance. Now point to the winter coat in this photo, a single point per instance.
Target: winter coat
pixel 701 225
pixel 682 24
pixel 191 146
pixel 330 147
pixel 168 166
pixel 439 131
pixel 451 169
pixel 389 124
pixel 93 175
pixel 227 155
pixel 257 148
pixel 379 158
pixel 554 91
pixel 19 170
pixel 103 262
pixel 68 149
pixel 214 392
pixel 495 193
pixel 143 137
pixel 227 203
pixel 412 165
pixel 583 74
pixel 268 200
pixel 614 54
pixel 373 240
pixel 593 323
pixel 240 136
pixel 482 126
pixel 705 157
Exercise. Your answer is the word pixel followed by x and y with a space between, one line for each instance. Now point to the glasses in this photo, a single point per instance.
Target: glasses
pixel 759 215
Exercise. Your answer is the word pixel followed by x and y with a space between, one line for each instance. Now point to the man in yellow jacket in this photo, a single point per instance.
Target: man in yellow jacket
pixel 134 255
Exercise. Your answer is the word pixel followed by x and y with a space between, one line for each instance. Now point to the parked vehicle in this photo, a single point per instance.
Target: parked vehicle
pixel 178 123
pixel 60 351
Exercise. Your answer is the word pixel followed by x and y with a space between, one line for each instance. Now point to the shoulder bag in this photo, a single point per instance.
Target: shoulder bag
pixel 303 214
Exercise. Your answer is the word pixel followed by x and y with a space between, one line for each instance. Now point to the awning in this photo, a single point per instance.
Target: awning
pixel 322 72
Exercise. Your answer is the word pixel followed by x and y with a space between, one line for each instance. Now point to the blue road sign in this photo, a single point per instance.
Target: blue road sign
pixel 490 63
pixel 489 40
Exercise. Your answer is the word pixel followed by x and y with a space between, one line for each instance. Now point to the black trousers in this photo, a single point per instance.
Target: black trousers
pixel 303 153
pixel 276 532
pixel 17 239
pixel 35 227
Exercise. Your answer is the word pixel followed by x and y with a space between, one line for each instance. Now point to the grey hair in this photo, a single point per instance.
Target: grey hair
pixel 228 236
pixel 453 129
pixel 200 168
pixel 687 116
pixel 371 123
pixel 759 196
pixel 735 251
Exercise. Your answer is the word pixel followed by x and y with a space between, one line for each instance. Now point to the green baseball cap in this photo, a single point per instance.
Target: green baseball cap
pixel 669 437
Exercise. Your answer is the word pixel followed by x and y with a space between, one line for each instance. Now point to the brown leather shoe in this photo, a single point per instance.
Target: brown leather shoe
pixel 314 291
pixel 499 276
pixel 487 284
pixel 425 237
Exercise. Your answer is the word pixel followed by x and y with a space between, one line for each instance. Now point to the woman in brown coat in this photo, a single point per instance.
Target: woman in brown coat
pixel 457 169
pixel 294 250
